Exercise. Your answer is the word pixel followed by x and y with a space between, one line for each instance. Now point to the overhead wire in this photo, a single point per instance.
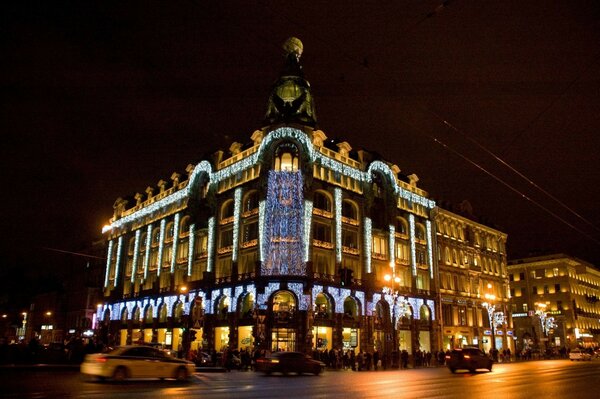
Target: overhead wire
pixel 444 121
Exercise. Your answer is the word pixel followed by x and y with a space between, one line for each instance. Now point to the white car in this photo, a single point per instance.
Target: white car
pixel 136 361
pixel 578 354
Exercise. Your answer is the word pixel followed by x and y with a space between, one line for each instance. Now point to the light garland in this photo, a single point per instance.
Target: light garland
pixel 263 299
pixel 118 262
pixel 303 300
pixel 210 244
pixel 392 245
pixel 108 258
pixel 338 224
pixel 237 205
pixel 136 248
pixel 429 247
pixel 147 252
pixel 161 245
pixel 261 230
pixel 175 242
pixel 191 243
pixel 368 243
pixel 361 297
pixel 308 208
pixel 284 220
pixel 413 248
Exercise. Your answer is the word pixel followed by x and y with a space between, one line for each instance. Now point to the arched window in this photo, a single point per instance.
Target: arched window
pixel 124 315
pixel 246 305
pixel 223 307
pixel 169 232
pixel 351 308
pixel 162 314
pixel 321 201
pixel 184 226
pixel 322 307
pixel 227 211
pixel 178 312
pixel 349 211
pixel 420 232
pixel 447 256
pixel 148 315
pixel 286 158
pixel 401 226
pixel 250 202
pixel 137 314
pixel 284 305
pixel 424 313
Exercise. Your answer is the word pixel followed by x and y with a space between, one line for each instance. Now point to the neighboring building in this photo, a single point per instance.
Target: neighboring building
pixel 555 301
pixel 472 263
pixel 286 243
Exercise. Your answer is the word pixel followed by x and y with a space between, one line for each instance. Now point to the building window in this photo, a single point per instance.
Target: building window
pixel 379 247
pixel 534 290
pixel 250 202
pixel 250 232
pixel 525 307
pixel 521 276
pixel 349 211
pixel 555 271
pixel 286 158
pixel 557 288
pixel 511 277
pixel 401 226
pixel 321 201
pixel 559 305
pixel 512 292
pixel 349 238
pixel 513 308
pixel 546 290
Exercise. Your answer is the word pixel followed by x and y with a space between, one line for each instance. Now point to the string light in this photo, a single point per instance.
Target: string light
pixel 429 247
pixel 210 244
pixel 338 224
pixel 136 247
pixel 261 229
pixel 191 243
pixel 175 242
pixel 237 205
pixel 284 225
pixel 108 258
pixel 308 208
pixel 413 248
pixel 392 245
pixel 118 263
pixel 147 251
pixel 161 245
pixel 368 243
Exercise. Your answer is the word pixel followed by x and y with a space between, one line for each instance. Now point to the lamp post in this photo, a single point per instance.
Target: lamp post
pixel 394 293
pixel 491 308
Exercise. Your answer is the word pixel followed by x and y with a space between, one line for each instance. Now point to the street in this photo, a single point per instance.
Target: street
pixel 547 379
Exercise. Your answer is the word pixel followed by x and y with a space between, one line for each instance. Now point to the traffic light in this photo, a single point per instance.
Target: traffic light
pixel 346 276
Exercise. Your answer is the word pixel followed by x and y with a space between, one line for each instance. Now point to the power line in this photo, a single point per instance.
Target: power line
pixel 73 253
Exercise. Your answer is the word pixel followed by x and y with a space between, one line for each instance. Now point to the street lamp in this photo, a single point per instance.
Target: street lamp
pixel 391 290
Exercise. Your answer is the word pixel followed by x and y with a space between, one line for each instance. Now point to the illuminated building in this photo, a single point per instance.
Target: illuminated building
pixel 472 265
pixel 558 287
pixel 283 243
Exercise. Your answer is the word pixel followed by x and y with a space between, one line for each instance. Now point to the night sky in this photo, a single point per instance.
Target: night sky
pixel 101 101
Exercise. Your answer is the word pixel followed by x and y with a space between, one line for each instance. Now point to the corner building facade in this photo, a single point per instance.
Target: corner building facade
pixel 283 244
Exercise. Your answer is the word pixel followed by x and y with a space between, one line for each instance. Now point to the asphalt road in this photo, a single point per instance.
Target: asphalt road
pixel 536 379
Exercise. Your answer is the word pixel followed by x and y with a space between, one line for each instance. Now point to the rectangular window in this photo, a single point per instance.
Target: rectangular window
pixel 534 290
pixel 226 239
pixel 512 292
pixel 322 232
pixel 380 245
pixel 559 305
pixel 522 276
pixel 511 277
pixel 557 288
pixel 250 232
pixel 349 238
pixel 555 271
pixel 546 290
pixel 525 307
pixel 513 308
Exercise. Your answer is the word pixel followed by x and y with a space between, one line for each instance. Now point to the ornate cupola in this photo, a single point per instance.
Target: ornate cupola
pixel 291 100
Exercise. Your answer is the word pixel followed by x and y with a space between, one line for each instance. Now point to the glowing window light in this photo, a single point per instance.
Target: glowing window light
pixel 368 243
pixel 338 224
pixel 192 240
pixel 308 208
pixel 108 258
pixel 161 245
pixel 236 222
pixel 118 263
pixel 211 244
pixel 285 228
pixel 413 248
pixel 136 248
pixel 316 290
pixel 392 245
pixel 147 252
pixel 429 247
pixel 175 242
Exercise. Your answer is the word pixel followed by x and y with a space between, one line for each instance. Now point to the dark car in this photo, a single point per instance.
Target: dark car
pixel 289 362
pixel 468 359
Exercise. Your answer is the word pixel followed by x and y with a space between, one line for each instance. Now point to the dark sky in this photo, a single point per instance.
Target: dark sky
pixel 103 100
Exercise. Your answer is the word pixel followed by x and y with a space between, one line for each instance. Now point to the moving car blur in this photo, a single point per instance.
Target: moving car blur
pixel 470 359
pixel 289 362
pixel 136 361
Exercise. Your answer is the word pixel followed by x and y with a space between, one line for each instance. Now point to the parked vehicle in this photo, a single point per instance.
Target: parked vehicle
pixel 289 362
pixel 579 354
pixel 470 359
pixel 136 361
